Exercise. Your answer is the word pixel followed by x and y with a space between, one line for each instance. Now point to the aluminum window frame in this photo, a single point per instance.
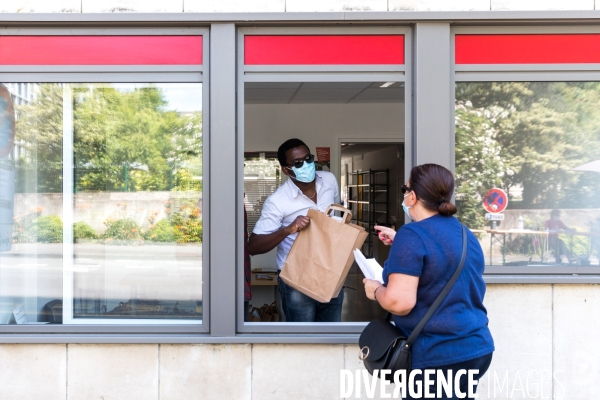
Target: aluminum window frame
pixel 525 73
pixel 125 74
pixel 309 73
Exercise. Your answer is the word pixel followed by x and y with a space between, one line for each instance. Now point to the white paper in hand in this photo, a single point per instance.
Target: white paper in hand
pixel 369 267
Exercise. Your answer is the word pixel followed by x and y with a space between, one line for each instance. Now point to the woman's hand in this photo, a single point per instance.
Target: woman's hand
pixel 386 235
pixel 400 295
pixel 370 287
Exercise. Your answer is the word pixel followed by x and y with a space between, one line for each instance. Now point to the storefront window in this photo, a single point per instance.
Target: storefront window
pixel 104 194
pixel 356 132
pixel 539 142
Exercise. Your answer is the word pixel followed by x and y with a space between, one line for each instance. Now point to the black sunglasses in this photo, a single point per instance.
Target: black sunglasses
pixel 299 163
pixel 405 189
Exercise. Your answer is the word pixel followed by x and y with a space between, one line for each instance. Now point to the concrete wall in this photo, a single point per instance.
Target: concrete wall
pixel 95 208
pixel 174 6
pixel 539 331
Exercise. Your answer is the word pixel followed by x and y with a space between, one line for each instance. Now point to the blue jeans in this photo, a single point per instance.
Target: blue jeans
pixel 480 363
pixel 298 307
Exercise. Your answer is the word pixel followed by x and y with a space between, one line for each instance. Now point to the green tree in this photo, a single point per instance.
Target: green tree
pixel 123 140
pixel 128 141
pixel 537 132
pixel 39 131
pixel 479 164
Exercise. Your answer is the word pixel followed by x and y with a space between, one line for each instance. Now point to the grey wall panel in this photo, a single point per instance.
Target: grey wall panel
pixel 432 95
pixel 222 190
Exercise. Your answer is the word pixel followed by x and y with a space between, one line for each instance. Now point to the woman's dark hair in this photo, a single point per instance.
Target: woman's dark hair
pixel 288 145
pixel 434 186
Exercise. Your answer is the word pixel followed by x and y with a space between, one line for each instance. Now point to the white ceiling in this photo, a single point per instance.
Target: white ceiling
pixel 323 92
pixel 356 149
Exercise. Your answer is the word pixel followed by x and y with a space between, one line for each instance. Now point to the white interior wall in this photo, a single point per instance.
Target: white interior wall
pixel 321 125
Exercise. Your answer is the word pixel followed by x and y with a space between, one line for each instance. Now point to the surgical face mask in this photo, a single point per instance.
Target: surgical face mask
pixel 555 218
pixel 306 173
pixel 405 207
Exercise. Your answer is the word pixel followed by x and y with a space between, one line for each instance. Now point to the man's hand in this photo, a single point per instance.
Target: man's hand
pixel 261 244
pixel 386 235
pixel 297 225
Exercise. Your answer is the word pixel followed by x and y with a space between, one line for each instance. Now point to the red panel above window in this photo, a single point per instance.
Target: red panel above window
pixel 100 50
pixel 527 49
pixel 323 49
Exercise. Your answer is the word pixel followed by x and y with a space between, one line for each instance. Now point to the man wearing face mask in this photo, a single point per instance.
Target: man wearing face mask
pixel 284 215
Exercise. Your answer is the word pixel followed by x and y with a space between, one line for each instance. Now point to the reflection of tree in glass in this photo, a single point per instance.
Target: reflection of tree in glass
pixel 530 136
pixel 479 165
pixel 123 140
pixel 126 140
pixel 39 134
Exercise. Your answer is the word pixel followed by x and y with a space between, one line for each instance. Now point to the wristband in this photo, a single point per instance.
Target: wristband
pixel 375 293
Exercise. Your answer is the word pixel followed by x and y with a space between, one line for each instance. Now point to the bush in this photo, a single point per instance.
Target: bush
pixel 25 228
pixel 163 231
pixel 191 231
pixel 188 223
pixel 122 231
pixel 82 230
pixel 49 229
pixel 184 181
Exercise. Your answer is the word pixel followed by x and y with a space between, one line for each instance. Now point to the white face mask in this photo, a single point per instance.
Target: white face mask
pixel 405 207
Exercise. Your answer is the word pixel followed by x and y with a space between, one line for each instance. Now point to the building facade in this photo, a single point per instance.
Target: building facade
pixel 145 128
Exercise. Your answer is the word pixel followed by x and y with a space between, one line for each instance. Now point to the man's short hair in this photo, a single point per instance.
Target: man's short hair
pixel 287 145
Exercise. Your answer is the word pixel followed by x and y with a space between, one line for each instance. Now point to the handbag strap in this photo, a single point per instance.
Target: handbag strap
pixel 433 308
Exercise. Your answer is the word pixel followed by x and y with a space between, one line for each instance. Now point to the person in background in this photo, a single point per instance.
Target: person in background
pixel 424 255
pixel 247 271
pixel 284 215
pixel 595 236
pixel 555 226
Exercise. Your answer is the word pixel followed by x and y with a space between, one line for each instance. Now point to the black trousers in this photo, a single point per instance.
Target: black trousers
pixel 482 364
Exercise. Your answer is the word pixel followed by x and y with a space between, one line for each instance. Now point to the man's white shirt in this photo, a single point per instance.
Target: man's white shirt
pixel 282 207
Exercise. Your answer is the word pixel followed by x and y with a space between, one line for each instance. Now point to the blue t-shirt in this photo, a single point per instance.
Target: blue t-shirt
pixel 458 331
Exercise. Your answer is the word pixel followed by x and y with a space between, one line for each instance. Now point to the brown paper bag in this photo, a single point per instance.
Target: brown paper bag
pixel 321 256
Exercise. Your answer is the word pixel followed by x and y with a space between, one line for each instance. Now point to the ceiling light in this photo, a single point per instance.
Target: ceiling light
pixel 387 84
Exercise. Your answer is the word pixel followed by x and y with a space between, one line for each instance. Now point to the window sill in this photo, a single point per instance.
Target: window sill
pixel 177 339
pixel 542 278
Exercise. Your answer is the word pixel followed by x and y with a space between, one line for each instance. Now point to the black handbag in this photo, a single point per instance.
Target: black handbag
pixel 384 346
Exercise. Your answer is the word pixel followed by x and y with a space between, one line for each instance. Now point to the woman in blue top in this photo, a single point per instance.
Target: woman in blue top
pixel 423 257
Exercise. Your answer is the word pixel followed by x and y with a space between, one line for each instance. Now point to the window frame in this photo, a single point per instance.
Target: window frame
pixel 124 74
pixel 525 73
pixel 222 276
pixel 310 73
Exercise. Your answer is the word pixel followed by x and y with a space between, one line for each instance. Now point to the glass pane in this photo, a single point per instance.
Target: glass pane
pixel 121 228
pixel 539 142
pixel 31 184
pixel 356 132
pixel 262 177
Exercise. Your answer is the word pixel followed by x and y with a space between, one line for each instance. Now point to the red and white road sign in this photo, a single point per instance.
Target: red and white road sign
pixel 495 200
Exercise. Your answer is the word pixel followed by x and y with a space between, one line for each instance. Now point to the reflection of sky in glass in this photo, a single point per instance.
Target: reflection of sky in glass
pixel 181 97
